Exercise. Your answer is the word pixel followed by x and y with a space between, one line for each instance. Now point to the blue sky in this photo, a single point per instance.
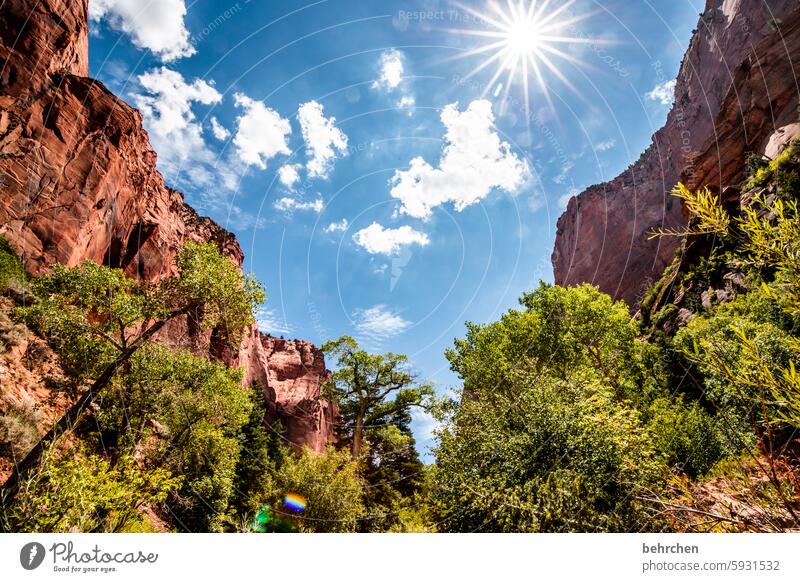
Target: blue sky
pixel 377 188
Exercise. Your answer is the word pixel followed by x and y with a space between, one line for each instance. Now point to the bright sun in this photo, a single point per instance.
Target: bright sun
pixel 523 37
pixel 523 43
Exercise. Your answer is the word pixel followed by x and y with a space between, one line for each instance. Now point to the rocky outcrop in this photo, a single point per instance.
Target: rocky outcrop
pixel 293 372
pixel 760 113
pixel 79 181
pixel 602 237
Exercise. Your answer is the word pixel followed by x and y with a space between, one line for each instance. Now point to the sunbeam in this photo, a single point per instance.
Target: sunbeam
pixel 523 43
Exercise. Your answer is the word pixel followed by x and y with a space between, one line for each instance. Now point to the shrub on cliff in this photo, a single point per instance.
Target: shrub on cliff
pixel 84 492
pixel 11 267
pixel 743 354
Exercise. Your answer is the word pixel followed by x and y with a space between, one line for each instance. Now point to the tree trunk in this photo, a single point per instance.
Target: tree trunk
pixel 358 433
pixel 356 449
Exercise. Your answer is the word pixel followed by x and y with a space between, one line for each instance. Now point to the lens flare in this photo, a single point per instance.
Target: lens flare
pixel 295 502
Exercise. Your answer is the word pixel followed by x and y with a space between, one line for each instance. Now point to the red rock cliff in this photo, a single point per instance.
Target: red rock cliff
pixel 602 236
pixel 79 181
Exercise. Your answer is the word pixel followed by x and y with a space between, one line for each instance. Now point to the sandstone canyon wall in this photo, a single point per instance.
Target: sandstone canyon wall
pixel 79 181
pixel 736 92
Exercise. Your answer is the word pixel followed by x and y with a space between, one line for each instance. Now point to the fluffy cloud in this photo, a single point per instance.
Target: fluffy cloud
pixel 220 132
pixel 177 136
pixel 260 133
pixel 376 239
pixel 474 162
pixel 340 226
pixel 324 141
pixel 379 322
pixel 392 68
pixel 391 73
pixel 289 175
pixel 664 93
pixel 156 25
pixel 290 205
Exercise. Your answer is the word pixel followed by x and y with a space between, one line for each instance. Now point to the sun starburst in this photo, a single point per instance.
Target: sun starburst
pixel 525 38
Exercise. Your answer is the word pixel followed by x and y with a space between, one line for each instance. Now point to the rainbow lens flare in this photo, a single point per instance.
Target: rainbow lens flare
pixel 262 520
pixel 295 502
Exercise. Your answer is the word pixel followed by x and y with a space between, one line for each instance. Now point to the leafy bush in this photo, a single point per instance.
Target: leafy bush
pixel 687 437
pixel 561 456
pixel 184 413
pixel 547 436
pixel 11 334
pixel 11 267
pixel 331 485
pixel 87 494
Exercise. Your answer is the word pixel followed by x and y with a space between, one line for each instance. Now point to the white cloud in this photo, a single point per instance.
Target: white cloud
pixel 376 239
pixel 166 101
pixel 289 175
pixel 290 205
pixel 606 145
pixel 260 133
pixel 220 132
pixel 391 73
pixel 157 25
pixel 268 321
pixel 340 226
pixel 379 322
pixel 664 93
pixel 474 162
pixel 392 68
pixel 536 202
pixel 175 133
pixel 407 102
pixel 324 141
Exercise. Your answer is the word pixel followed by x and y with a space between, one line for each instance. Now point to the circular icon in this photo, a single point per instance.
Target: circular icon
pixel 31 555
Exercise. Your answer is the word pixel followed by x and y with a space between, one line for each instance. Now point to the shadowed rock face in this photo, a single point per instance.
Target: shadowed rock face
pixel 602 237
pixel 79 181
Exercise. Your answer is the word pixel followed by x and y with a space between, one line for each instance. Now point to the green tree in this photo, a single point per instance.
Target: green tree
pixel 260 456
pixel 548 435
pixel 182 412
pixel 562 455
pixel 394 476
pixel 98 319
pixel 559 332
pixel 370 389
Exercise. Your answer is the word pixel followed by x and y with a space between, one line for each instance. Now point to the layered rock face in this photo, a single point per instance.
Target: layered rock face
pixel 79 181
pixel 293 372
pixel 739 45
